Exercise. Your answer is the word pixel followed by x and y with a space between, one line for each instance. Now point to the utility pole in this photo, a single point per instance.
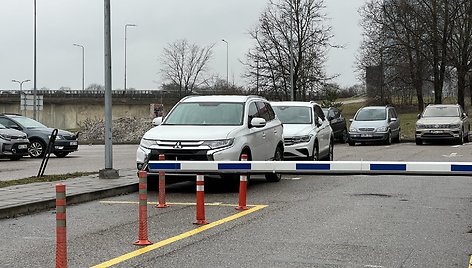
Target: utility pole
pixel 108 172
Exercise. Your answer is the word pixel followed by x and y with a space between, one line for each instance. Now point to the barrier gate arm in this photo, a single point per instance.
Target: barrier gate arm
pixel 311 167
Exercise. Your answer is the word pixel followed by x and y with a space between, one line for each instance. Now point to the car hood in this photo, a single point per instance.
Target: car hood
pixel 12 132
pixel 291 130
pixel 164 132
pixel 438 120
pixel 31 131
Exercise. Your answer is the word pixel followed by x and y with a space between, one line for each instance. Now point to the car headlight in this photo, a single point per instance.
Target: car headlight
pixel 147 143
pixel 5 137
pixel 301 139
pixel 218 143
pixel 454 126
pixel 381 129
pixel 352 129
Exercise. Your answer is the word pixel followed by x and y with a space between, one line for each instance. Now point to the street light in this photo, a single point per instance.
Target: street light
pixel 227 64
pixel 21 87
pixel 34 65
pixel 126 28
pixel 83 63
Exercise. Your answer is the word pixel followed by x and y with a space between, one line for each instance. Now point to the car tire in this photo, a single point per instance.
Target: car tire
pixel 466 137
pixel 234 179
pixel 418 141
pixel 351 143
pixel 275 177
pixel 330 155
pixel 37 148
pixel 315 156
pixel 388 140
pixel 61 154
pixel 344 136
pixel 398 138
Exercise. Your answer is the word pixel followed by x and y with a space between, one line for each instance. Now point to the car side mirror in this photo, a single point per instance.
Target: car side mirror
pixel 257 122
pixel 393 119
pixel 350 120
pixel 464 115
pixel 157 121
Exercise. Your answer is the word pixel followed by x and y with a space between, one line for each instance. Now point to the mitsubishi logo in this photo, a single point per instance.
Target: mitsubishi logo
pixel 178 145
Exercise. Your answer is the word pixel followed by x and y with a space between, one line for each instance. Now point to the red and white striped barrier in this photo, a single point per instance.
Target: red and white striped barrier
pixel 143 226
pixel 162 186
pixel 200 200
pixel 61 235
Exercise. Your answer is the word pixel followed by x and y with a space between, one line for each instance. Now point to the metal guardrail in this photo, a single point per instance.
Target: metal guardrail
pixel 310 167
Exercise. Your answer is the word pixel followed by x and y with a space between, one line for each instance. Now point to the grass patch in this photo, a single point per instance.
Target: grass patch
pixel 46 178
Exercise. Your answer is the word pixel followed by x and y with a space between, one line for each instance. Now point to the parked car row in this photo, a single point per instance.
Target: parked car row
pixel 21 136
pixel 437 122
pixel 223 128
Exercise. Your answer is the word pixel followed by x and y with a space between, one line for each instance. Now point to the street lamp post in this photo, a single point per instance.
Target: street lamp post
pixel 227 64
pixel 34 65
pixel 83 64
pixel 126 29
pixel 21 87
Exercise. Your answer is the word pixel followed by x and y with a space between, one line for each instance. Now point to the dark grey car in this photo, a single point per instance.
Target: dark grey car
pixel 39 134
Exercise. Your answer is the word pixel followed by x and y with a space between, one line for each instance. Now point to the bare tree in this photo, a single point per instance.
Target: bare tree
pixel 284 24
pixel 184 64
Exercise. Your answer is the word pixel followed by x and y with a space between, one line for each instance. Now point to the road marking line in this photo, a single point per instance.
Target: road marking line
pixel 470 262
pixel 176 203
pixel 176 238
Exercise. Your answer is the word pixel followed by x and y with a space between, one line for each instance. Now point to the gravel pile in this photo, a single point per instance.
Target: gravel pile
pixel 124 130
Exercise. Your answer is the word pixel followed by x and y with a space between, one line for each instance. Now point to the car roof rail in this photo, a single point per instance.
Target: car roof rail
pixel 10 114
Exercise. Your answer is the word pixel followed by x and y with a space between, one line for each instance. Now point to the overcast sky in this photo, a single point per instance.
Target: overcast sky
pixel 61 23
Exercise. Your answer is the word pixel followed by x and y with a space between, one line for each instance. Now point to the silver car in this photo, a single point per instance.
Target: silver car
pixel 442 122
pixel 13 143
pixel 375 124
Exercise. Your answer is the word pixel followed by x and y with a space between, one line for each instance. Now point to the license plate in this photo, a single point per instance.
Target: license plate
pixel 437 131
pixel 366 135
pixel 22 146
pixel 73 143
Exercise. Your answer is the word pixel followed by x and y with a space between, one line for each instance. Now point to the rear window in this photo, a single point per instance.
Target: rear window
pixel 206 113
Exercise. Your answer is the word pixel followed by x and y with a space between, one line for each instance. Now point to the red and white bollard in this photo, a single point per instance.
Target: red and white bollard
pixel 61 235
pixel 143 226
pixel 242 188
pixel 162 187
pixel 200 200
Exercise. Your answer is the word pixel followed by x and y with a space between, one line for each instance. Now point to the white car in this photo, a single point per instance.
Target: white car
pixel 307 133
pixel 215 128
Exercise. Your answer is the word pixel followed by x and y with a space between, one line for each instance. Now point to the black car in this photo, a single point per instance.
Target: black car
pixel 337 122
pixel 39 134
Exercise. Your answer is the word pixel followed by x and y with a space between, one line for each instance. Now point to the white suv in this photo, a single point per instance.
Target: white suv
pixel 215 128
pixel 307 133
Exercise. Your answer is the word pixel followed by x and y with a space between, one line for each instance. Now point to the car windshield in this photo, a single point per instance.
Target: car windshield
pixel 206 113
pixel 28 122
pixel 2 126
pixel 439 111
pixel 293 114
pixel 371 115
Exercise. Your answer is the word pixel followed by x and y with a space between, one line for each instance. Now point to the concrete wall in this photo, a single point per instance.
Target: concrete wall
pixel 70 111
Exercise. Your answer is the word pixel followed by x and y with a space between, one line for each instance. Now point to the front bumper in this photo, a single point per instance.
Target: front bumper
pixel 438 134
pixel 14 149
pixel 65 146
pixel 231 153
pixel 368 136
